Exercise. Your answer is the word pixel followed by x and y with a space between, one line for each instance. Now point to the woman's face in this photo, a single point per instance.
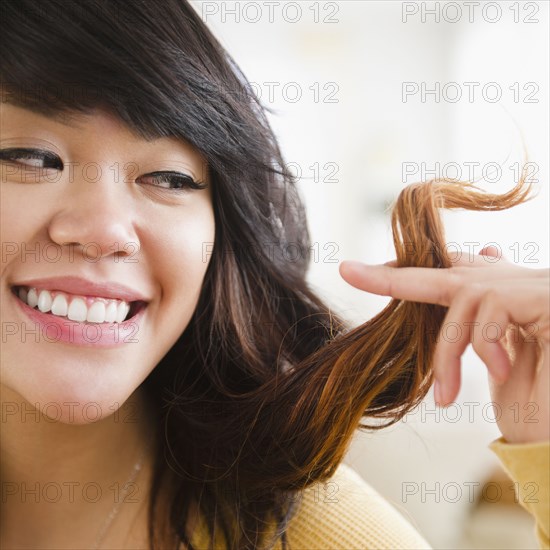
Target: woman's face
pixel 94 231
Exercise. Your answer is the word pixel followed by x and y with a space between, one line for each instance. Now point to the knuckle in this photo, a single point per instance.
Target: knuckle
pixel 493 294
pixel 453 285
pixel 477 346
pixel 472 291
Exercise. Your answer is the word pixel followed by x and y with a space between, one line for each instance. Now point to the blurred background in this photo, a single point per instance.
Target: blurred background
pixel 368 97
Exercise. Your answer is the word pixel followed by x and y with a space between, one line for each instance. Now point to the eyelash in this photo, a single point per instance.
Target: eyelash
pixel 181 181
pixel 30 154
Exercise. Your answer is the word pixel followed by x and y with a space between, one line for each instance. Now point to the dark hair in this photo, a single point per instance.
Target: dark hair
pixel 262 393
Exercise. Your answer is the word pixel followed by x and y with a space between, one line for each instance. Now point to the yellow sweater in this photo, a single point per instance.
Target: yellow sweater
pixel 356 516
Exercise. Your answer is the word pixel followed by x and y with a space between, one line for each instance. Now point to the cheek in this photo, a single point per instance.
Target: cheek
pixel 24 211
pixel 181 255
pixel 16 220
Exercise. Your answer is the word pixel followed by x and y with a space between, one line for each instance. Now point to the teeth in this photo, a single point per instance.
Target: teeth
pixel 110 312
pixel 78 309
pixel 44 301
pixel 96 313
pixel 122 311
pixel 32 298
pixel 60 307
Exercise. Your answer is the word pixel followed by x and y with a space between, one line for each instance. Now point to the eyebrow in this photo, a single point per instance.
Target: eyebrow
pixel 58 116
pixel 63 118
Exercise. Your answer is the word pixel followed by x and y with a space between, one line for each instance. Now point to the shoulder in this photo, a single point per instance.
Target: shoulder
pixel 345 512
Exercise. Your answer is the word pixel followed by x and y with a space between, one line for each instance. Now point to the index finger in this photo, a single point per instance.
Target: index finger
pixel 415 284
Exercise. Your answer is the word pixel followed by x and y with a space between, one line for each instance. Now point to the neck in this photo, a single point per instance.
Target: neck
pixel 60 481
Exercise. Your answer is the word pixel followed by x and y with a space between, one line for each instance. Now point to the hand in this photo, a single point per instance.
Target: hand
pixel 503 311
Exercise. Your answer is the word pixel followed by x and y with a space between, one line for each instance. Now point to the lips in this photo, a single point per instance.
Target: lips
pixel 85 287
pixel 81 300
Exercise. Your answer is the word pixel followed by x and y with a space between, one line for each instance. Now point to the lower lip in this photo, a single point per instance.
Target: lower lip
pixel 52 328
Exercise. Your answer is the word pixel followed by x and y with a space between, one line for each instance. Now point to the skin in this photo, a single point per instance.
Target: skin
pixel 169 229
pixel 476 290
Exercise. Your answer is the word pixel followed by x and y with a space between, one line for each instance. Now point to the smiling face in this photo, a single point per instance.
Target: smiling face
pixel 103 257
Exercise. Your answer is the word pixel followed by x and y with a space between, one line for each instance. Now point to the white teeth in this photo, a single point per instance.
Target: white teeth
pixel 44 301
pixel 96 313
pixel 32 298
pixel 60 307
pixel 122 310
pixel 110 312
pixel 77 310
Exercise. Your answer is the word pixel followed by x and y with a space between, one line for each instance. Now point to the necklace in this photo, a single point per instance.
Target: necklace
pixel 125 488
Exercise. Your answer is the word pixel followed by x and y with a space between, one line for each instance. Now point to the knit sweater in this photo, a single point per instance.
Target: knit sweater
pixel 347 513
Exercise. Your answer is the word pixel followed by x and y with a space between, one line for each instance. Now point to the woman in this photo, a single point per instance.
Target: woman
pixel 168 378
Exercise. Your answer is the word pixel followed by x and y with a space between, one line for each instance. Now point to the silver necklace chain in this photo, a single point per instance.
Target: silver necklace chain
pixel 125 488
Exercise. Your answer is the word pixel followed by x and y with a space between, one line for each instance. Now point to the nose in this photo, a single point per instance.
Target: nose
pixel 93 218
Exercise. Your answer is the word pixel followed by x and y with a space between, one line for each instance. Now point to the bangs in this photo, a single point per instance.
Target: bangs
pixel 61 102
pixel 156 73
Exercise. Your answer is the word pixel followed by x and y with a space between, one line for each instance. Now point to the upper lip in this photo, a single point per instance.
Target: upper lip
pixel 84 287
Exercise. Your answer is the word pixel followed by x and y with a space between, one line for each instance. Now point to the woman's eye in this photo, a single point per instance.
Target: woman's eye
pixel 32 158
pixel 172 180
pixel 36 159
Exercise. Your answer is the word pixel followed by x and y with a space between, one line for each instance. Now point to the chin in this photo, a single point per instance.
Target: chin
pixel 68 391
